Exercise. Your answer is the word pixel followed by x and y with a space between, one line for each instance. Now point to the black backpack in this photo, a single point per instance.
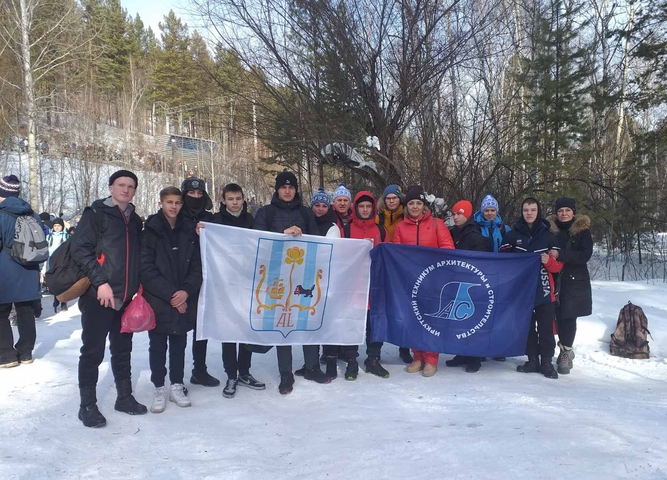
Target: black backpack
pixel 383 232
pixel 65 278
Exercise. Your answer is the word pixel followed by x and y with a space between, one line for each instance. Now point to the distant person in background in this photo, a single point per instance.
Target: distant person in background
pixel 55 239
pixel 575 298
pixel 19 285
pixel 197 206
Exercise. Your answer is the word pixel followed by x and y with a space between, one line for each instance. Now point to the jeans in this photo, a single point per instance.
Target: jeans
pixel 157 357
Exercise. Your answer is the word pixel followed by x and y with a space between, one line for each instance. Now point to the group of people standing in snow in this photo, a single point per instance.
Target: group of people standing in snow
pixel 162 255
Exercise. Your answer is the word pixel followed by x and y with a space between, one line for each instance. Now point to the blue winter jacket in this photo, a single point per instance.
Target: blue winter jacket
pixel 494 231
pixel 17 283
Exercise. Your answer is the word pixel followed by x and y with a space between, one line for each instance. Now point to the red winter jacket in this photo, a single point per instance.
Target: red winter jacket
pixel 364 229
pixel 426 231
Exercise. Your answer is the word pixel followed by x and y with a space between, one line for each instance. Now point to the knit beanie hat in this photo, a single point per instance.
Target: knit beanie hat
pixel 286 178
pixel 59 221
pixel 123 173
pixel 320 196
pixel 415 192
pixel 566 202
pixel 393 189
pixel 489 202
pixel 341 191
pixel 10 186
pixel 463 207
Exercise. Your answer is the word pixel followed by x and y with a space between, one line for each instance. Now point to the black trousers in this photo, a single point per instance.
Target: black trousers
pixel 25 321
pixel 311 357
pixel 541 340
pixel 157 357
pixel 345 351
pixel 373 349
pixel 567 329
pixel 97 323
pixel 198 353
pixel 234 364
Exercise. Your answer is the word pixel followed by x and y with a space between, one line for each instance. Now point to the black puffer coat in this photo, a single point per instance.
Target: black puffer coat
pixel 469 237
pixel 170 261
pixel 284 216
pixel 118 246
pixel 223 217
pixel 576 247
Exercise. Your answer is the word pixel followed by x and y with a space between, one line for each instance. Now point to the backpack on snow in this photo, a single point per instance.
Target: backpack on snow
pixel 629 340
pixel 65 278
pixel 30 247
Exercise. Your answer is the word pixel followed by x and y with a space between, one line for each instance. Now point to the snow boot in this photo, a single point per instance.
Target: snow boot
pixel 352 370
pixel 125 402
pixel 317 375
pixel 251 382
pixel 286 383
pixel 415 367
pixel 332 367
pixel 202 377
pixel 373 366
pixel 89 415
pixel 474 364
pixel 159 399
pixel 179 395
pixel 565 358
pixel 500 359
pixel 323 359
pixel 301 372
pixel 547 369
pixel 230 389
pixel 404 353
pixel 429 370
pixel 531 366
pixel 457 361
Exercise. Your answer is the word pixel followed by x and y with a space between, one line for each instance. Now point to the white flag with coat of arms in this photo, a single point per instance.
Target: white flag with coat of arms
pixel 268 288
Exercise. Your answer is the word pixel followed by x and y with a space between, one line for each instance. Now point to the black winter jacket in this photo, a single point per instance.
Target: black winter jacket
pixel 223 217
pixel 469 237
pixel 539 239
pixel 326 221
pixel 576 247
pixel 286 215
pixel 119 249
pixel 170 261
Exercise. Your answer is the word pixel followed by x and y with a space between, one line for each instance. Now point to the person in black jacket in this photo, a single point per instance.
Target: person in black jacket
pixel 197 206
pixel 286 214
pixel 234 212
pixel 171 277
pixel 531 233
pixel 110 260
pixel 575 298
pixel 466 235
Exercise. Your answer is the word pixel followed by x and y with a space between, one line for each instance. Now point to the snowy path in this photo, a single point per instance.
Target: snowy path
pixel 606 420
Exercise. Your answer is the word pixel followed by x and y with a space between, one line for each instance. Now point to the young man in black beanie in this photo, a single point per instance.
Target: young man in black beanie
pixel 197 206
pixel 286 214
pixel 110 259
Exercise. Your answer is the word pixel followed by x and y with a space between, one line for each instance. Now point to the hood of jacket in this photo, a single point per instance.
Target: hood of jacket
pixel 540 224
pixel 226 218
pixel 107 206
pixel 293 205
pixel 579 224
pixel 15 206
pixel 355 214
pixel 159 224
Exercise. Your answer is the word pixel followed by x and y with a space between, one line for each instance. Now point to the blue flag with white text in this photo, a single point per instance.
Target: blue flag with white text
pixel 452 301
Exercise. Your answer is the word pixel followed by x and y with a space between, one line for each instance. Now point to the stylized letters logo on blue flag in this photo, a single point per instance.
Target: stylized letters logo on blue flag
pixel 452 301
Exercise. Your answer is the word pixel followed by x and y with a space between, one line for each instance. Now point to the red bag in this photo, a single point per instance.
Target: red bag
pixel 138 316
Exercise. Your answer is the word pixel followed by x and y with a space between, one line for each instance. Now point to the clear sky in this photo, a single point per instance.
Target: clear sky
pixel 153 11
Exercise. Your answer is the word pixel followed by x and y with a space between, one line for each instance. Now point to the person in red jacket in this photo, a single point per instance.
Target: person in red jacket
pixel 420 228
pixel 362 226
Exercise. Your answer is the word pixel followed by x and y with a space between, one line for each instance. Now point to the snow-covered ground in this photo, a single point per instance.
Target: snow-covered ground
pixel 606 420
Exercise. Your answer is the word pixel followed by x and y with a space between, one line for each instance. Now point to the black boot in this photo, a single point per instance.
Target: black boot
pixel 474 364
pixel 88 412
pixel 286 383
pixel 300 372
pixel 201 377
pixel 531 366
pixel 323 359
pixel 404 353
pixel 373 366
pixel 332 367
pixel 352 370
pixel 125 402
pixel 317 375
pixel 457 361
pixel 547 369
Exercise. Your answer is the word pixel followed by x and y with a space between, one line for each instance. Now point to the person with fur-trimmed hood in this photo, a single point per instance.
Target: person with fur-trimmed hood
pixel 531 233
pixel 197 206
pixel 575 297
pixel 420 228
